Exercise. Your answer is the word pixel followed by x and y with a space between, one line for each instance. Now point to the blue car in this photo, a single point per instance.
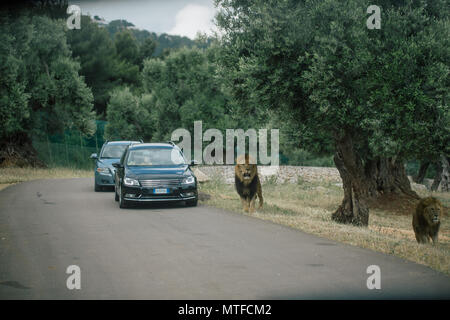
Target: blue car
pixel 154 172
pixel 104 171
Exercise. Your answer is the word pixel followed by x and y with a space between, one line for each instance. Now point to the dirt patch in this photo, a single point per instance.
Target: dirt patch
pixel 401 205
pixel 398 204
pixel 203 196
pixel 4 185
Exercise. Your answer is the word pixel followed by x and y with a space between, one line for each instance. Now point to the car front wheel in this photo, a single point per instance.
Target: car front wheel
pixel 191 203
pixel 116 196
pixel 122 202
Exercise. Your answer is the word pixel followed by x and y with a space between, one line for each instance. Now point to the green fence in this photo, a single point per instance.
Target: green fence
pixel 65 155
pixel 70 149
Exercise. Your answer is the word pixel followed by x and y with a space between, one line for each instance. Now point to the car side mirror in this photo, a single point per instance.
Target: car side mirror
pixel 117 165
pixel 194 163
pixel 94 156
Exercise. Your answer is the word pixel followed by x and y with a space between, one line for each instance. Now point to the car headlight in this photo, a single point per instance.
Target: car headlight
pixel 130 182
pixel 103 170
pixel 188 180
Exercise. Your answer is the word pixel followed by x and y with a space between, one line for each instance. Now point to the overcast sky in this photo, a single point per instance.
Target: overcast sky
pixel 180 17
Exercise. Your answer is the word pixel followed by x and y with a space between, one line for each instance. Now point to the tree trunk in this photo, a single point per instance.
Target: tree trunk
pixel 354 209
pixel 365 180
pixel 388 176
pixel 422 172
pixel 437 176
pixel 441 181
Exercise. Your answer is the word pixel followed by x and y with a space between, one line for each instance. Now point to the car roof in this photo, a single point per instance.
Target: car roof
pixel 122 142
pixel 152 145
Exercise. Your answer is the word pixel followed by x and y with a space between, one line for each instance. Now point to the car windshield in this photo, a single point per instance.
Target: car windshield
pixel 113 151
pixel 155 157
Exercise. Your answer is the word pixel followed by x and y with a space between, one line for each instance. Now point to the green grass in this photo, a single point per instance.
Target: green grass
pixel 307 206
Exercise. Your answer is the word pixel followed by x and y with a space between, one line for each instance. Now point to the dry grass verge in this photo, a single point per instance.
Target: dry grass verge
pixel 13 175
pixel 307 206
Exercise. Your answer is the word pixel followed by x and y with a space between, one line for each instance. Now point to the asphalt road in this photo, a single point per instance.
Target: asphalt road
pixel 173 252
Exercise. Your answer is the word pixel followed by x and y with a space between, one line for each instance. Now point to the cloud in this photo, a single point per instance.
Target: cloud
pixel 192 19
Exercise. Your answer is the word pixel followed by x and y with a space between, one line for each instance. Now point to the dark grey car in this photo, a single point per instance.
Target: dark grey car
pixel 154 172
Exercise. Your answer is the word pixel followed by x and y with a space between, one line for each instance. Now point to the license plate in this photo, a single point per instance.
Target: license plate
pixel 161 191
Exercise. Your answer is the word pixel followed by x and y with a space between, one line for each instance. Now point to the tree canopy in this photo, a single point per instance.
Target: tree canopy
pixel 380 95
pixel 42 91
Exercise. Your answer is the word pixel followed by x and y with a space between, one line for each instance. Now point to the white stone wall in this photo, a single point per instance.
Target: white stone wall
pixel 282 174
pixel 279 174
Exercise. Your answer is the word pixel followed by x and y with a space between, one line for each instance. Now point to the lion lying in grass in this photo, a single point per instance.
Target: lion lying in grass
pixel 427 220
pixel 247 183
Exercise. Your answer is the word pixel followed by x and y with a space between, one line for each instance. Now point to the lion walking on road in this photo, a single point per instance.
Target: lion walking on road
pixel 247 183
